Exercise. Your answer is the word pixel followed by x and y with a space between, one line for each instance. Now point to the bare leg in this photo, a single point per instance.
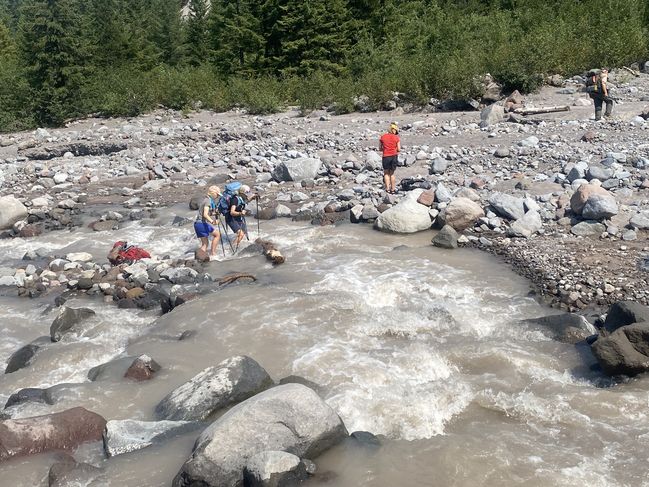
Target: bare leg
pixel 240 236
pixel 204 242
pixel 386 180
pixel 393 182
pixel 216 236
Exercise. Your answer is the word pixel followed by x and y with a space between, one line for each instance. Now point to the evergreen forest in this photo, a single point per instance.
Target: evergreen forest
pixel 62 59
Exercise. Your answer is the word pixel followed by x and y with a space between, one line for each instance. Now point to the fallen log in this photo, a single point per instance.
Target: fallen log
pixel 270 251
pixel 229 279
pixel 632 71
pixel 536 111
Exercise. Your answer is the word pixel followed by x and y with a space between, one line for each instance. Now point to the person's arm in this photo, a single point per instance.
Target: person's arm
pixel 206 215
pixel 381 144
pixel 604 87
pixel 234 212
pixel 399 145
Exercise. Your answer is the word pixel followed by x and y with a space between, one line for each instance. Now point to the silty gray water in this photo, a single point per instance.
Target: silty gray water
pixel 421 345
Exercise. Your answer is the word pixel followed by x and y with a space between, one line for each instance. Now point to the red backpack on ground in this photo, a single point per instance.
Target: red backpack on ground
pixel 122 253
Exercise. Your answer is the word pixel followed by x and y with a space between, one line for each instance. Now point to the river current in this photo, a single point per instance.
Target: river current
pixel 422 346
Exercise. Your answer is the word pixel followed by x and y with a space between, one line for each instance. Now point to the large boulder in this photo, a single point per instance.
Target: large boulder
pixel 373 161
pixel 599 207
pixel 22 357
pixel 625 313
pixel 11 210
pixel 290 418
pixel 69 473
pixel 274 469
pixel 625 351
pixel 461 213
pixel 124 436
pixel 640 220
pixel 297 169
pixel 406 217
pixel 59 431
pixel 215 388
pixel 507 206
pixel 526 226
pixel 67 320
pixel 583 193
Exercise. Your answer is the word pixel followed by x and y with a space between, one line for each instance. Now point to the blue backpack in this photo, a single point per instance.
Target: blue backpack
pixel 224 203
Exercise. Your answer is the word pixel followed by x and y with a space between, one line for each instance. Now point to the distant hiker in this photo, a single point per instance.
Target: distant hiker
pixel 236 217
pixel 390 144
pixel 205 219
pixel 597 86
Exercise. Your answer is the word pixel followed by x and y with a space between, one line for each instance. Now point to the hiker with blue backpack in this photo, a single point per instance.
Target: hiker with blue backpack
pixel 206 218
pixel 235 217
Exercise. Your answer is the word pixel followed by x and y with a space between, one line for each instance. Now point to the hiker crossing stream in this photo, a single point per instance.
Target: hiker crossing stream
pixel 423 347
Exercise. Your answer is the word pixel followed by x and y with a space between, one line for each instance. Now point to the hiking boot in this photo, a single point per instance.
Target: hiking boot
pixel 598 115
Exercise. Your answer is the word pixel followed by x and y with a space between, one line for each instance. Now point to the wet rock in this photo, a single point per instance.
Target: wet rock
pixel 104 226
pixel 59 431
pixel 67 320
pixel 195 202
pixel 297 169
pixel 625 313
pixel 201 256
pixel 124 436
pixel 142 368
pixel 115 369
pixel 446 238
pixel 406 217
pixel 84 148
pixel 366 439
pixel 11 210
pixel 215 388
pixel 179 275
pixel 507 206
pixel 273 469
pixel 71 474
pixel 291 418
pixel 625 351
pixel 29 394
pixel 461 213
pixel 30 231
pixel 24 355
pixel 565 327
pixel 296 379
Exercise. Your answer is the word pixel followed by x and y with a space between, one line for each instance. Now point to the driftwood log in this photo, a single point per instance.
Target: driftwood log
pixel 230 278
pixel 536 111
pixel 270 251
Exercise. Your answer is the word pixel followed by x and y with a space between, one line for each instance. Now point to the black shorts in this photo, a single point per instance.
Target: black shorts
pixel 390 163
pixel 236 224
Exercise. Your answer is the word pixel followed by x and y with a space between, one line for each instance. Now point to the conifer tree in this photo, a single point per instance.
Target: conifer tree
pixel 197 32
pixel 54 57
pixel 166 31
pixel 235 36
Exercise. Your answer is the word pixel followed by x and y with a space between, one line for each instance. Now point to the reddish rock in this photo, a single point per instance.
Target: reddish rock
pixel 477 183
pixel 589 136
pixel 31 230
pixel 382 207
pixel 427 198
pixel 142 368
pixel 201 256
pixel 645 184
pixel 580 197
pixel 59 431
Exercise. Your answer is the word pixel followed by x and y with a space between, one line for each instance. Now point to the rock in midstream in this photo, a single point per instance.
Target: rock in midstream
pixel 215 388
pixel 291 418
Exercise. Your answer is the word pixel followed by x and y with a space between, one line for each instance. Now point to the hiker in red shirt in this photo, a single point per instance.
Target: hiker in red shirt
pixel 390 144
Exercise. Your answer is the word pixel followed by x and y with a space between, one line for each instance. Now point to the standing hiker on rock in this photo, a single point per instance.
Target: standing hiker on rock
pixel 236 217
pixel 597 86
pixel 390 145
pixel 206 218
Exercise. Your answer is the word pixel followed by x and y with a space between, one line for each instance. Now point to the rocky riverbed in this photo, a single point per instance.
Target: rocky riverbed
pixel 561 197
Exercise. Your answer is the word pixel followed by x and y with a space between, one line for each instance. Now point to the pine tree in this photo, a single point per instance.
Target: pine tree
pixel 313 36
pixel 167 32
pixel 54 56
pixel 197 32
pixel 235 36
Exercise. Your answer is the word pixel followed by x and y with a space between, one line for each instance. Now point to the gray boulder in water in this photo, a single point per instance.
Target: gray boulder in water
pixel 124 436
pixel 625 313
pixel 290 418
pixel 565 327
pixel 274 469
pixel 297 169
pixel 625 351
pixel 406 217
pixel 446 238
pixel 461 213
pixel 11 210
pixel 22 357
pixel 67 320
pixel 227 383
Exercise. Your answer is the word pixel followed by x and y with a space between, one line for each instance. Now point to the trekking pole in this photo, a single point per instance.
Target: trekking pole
pixel 225 233
pixel 245 228
pixel 258 231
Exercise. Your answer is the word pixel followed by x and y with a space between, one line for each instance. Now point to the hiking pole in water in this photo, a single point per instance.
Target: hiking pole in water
pixel 225 233
pixel 258 231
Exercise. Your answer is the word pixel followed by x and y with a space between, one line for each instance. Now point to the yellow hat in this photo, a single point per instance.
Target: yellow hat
pixel 394 126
